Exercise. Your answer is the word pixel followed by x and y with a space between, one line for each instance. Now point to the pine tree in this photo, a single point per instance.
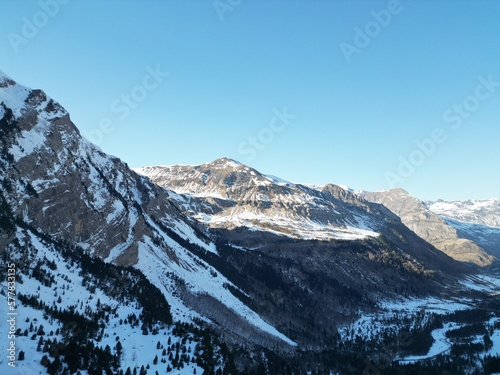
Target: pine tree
pixel 40 331
pixel 119 349
pixel 40 343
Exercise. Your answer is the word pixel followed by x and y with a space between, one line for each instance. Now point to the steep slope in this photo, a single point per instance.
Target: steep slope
pixel 429 226
pixel 54 180
pixel 484 212
pixel 74 313
pixel 476 220
pixel 226 194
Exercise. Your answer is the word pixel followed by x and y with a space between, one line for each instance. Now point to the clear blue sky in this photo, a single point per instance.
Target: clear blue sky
pixel 421 69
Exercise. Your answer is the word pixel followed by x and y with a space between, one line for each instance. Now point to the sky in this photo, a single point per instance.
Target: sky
pixel 368 94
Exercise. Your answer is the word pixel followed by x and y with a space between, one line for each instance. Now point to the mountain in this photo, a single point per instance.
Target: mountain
pixel 104 271
pixel 225 194
pixel 59 191
pixel 429 226
pixel 476 220
pixel 484 212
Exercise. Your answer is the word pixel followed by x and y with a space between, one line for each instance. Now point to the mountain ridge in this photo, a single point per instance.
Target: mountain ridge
pixel 415 214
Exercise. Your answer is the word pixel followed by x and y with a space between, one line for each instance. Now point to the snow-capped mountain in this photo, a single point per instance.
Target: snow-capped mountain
pixel 64 187
pixel 430 226
pixel 484 212
pixel 476 220
pixel 227 194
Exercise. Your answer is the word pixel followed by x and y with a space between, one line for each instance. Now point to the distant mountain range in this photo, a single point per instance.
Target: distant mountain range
pixel 476 220
pixel 228 194
pixel 430 226
pixel 214 268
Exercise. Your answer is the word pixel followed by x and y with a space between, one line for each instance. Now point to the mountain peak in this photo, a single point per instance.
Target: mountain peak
pixel 5 80
pixel 20 99
pixel 224 161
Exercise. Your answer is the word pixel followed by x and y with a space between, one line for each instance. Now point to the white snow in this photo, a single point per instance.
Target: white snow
pixel 287 210
pixel 199 278
pixel 30 141
pixel 485 212
pixel 369 326
pixel 441 344
pixel 482 283
pixel 14 96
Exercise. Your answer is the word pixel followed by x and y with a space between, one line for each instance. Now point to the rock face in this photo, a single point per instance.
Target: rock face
pixel 483 212
pixel 227 195
pixel 476 220
pixel 306 256
pixel 430 226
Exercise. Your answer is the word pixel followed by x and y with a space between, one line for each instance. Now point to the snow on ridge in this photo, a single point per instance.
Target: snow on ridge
pixel 3 75
pixel 277 180
pixel 288 226
pixel 468 206
pixel 15 96
pixel 484 212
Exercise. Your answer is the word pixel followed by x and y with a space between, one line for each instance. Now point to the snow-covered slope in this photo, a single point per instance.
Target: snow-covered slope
pixel 428 225
pixel 475 220
pixel 484 212
pixel 229 195
pixel 76 313
pixel 485 236
pixel 104 256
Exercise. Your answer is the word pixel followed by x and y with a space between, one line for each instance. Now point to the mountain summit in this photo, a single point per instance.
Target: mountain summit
pixel 226 193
